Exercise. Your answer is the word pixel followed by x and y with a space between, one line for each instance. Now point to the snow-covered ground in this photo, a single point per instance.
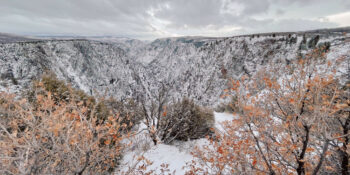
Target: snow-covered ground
pixel 176 155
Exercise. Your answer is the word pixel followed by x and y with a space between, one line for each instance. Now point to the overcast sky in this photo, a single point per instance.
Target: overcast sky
pixel 150 19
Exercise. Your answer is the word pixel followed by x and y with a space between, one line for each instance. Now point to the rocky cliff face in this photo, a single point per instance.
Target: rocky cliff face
pixel 196 67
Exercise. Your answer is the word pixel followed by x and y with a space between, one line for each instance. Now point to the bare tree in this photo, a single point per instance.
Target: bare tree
pixel 153 110
pixel 177 119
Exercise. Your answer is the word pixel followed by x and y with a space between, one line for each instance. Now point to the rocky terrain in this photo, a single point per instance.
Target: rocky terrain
pixel 197 67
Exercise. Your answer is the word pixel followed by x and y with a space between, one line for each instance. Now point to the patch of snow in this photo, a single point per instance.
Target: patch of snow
pixel 176 155
pixel 168 154
pixel 222 117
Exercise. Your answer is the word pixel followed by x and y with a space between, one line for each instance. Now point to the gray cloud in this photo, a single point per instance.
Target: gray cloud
pixel 148 19
pixel 280 12
pixel 256 6
pixel 195 13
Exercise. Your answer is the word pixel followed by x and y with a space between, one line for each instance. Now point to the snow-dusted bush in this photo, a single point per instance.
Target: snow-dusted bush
pixel 62 92
pixel 184 120
pixel 178 120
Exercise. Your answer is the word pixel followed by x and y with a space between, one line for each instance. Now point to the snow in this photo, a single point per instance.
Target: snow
pixel 222 117
pixel 128 68
pixel 168 154
pixel 139 68
pixel 176 155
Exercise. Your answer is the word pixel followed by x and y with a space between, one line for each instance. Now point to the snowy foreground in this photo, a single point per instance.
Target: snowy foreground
pixel 176 155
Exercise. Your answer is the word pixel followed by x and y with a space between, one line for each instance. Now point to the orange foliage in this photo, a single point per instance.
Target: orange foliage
pixel 55 138
pixel 284 129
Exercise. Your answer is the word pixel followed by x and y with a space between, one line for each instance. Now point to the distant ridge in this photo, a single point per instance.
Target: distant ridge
pixel 10 38
pixel 340 29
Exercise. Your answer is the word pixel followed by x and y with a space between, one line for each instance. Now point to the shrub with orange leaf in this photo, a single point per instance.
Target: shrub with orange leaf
pixel 56 137
pixel 296 124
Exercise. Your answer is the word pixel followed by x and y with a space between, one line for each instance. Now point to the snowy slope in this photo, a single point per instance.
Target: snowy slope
pixel 196 67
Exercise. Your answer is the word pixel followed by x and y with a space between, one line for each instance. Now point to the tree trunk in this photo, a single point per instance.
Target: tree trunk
pixel 301 163
pixel 344 155
pixel 344 162
pixel 154 139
